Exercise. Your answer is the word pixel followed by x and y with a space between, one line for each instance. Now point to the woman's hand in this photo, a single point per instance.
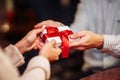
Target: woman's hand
pixel 50 51
pixel 30 41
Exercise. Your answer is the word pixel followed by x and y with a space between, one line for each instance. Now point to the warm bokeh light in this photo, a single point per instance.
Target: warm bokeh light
pixel 5 28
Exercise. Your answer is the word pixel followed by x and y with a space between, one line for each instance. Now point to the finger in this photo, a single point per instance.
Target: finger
pixel 57 58
pixel 34 45
pixel 37 43
pixel 74 36
pixel 81 34
pixel 39 30
pixel 39 25
pixel 35 48
pixel 59 51
pixel 47 22
pixel 78 48
pixel 75 43
pixel 39 46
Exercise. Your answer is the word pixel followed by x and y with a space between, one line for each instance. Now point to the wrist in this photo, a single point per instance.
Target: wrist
pixel 42 54
pixel 20 48
pixel 100 42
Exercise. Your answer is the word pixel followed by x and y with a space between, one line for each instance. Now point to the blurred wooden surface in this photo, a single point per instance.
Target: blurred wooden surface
pixel 111 74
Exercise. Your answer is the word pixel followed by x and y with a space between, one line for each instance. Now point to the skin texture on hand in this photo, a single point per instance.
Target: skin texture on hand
pixel 86 40
pixel 49 23
pixel 29 41
pixel 49 51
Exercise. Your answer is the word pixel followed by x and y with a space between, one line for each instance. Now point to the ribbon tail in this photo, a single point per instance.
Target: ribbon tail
pixel 65 47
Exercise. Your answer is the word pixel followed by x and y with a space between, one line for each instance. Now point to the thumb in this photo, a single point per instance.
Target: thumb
pixel 39 30
pixel 53 42
pixel 59 51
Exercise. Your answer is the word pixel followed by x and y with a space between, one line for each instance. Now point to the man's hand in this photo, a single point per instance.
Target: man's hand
pixel 86 40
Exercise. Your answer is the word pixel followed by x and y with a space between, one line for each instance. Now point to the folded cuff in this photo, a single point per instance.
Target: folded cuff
pixel 41 63
pixel 109 42
pixel 15 56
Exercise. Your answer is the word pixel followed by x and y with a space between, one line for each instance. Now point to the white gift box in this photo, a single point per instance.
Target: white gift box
pixel 57 38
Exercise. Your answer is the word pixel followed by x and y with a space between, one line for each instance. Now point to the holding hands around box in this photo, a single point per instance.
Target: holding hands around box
pixel 82 40
pixel 38 67
pixel 32 40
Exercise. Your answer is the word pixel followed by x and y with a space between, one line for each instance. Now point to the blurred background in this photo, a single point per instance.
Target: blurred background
pixel 17 17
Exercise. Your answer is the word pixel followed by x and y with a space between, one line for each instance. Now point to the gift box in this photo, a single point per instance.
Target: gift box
pixel 61 35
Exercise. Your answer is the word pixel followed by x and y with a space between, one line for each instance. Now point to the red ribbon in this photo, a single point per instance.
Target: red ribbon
pixel 53 32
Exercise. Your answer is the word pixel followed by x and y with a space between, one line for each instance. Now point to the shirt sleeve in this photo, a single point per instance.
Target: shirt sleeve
pixel 7 69
pixel 15 56
pixel 111 45
pixel 38 69
pixel 81 18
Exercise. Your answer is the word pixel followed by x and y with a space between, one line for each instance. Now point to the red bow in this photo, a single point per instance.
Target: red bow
pixel 53 32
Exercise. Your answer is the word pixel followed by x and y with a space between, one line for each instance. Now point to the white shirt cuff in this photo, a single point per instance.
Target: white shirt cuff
pixel 108 43
pixel 15 56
